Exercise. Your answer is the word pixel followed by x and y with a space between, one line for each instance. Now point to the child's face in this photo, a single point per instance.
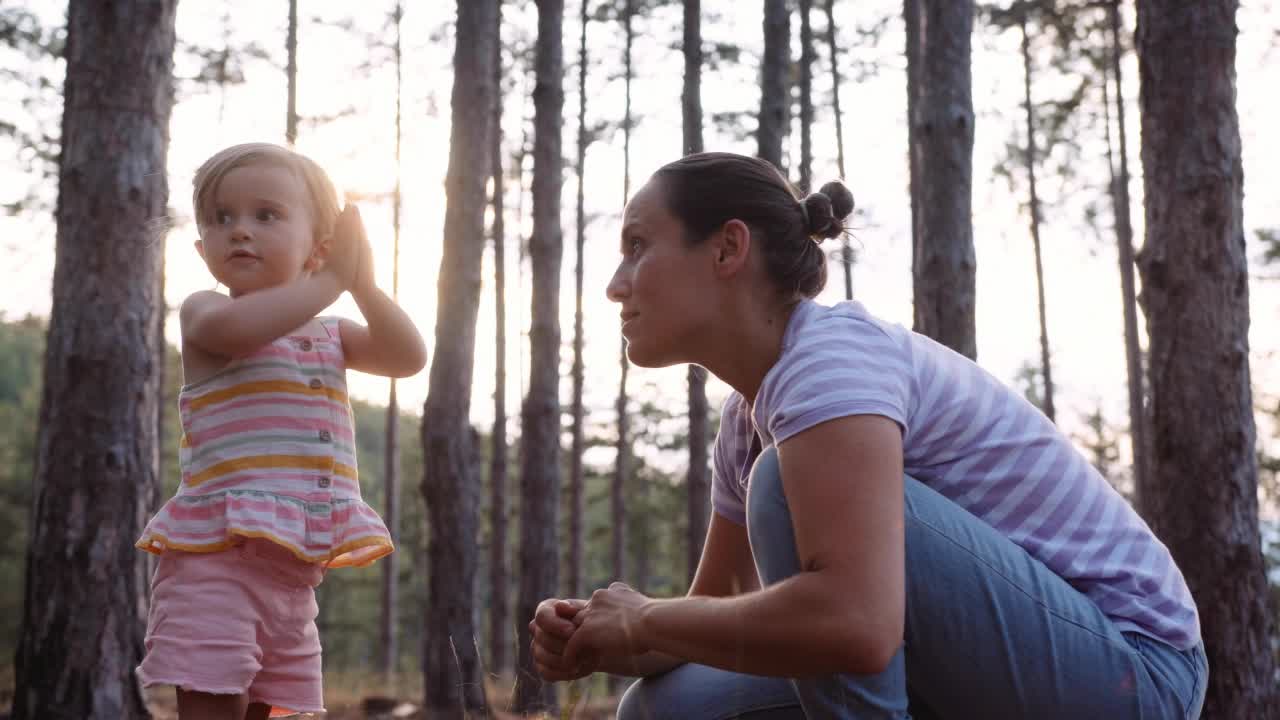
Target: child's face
pixel 261 233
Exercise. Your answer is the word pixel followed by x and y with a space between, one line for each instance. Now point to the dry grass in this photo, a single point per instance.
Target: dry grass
pixel 347 693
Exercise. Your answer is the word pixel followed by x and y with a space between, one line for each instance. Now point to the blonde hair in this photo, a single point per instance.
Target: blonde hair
pixel 320 190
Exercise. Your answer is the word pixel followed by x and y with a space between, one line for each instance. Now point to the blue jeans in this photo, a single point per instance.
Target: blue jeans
pixel 990 633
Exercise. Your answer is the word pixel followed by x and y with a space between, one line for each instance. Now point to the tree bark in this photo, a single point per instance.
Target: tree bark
pixel 453 676
pixel 1033 208
pixel 291 72
pixel 622 464
pixel 391 461
pixel 697 480
pixel 775 95
pixel 1124 240
pixel 1201 495
pixel 540 416
pixel 498 483
pixel 940 135
pixel 574 584
pixel 846 249
pixel 806 98
pixel 97 454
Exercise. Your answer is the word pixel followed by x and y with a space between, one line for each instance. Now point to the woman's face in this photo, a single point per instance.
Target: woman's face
pixel 664 285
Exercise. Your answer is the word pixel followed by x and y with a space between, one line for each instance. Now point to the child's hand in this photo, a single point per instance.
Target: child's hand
pixel 350 255
pixel 351 241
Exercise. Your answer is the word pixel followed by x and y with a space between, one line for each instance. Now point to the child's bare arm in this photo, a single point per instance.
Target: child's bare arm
pixel 233 327
pixel 390 345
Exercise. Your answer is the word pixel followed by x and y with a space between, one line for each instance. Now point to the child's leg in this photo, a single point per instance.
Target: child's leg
pixel 209 706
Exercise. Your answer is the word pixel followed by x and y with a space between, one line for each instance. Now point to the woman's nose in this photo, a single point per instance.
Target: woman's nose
pixel 619 286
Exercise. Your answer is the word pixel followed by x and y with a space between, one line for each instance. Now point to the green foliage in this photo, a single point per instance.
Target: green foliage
pixel 1270 240
pixel 21 357
pixel 350 598
pixel 31 79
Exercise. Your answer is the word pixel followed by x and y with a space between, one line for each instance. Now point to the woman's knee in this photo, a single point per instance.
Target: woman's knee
pixel 769 526
pixel 766 501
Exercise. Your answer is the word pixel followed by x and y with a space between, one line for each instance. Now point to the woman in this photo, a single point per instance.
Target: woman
pixel 895 533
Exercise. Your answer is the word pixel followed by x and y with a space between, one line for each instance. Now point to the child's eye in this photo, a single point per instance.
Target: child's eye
pixel 221 217
pixel 265 215
pixel 633 246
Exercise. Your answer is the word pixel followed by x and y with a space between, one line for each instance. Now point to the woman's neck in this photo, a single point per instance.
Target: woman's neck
pixel 743 356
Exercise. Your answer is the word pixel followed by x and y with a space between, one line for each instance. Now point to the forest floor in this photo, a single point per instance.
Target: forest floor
pixel 357 696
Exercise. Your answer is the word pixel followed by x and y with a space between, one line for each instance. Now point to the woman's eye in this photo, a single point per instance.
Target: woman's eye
pixel 633 247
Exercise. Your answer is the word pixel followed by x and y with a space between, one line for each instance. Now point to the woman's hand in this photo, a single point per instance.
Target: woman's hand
pixel 551 628
pixel 609 625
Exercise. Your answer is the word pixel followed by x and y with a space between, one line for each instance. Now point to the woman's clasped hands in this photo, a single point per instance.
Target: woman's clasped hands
pixel 571 638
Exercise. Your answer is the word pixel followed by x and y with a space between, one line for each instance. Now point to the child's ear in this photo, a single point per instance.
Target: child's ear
pixel 319 251
pixel 199 247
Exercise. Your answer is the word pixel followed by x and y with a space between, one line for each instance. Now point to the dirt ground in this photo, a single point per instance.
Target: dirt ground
pixel 359 697
pixel 163 707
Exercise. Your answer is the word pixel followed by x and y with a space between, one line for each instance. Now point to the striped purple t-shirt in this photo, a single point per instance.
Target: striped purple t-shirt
pixel 972 439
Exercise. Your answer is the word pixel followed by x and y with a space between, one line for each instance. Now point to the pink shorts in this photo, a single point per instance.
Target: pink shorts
pixel 237 621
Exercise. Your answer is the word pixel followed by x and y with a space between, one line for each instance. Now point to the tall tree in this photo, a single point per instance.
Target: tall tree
pixel 540 416
pixel 775 91
pixel 498 601
pixel 1124 241
pixel 806 97
pixel 622 464
pixel 1033 207
pixel 391 458
pixel 574 584
pixel 696 479
pixel 98 456
pixel 453 677
pixel 1201 495
pixel 940 136
pixel 291 73
pixel 846 249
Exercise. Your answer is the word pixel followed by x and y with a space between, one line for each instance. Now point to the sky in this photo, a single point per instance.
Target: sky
pixel 338 70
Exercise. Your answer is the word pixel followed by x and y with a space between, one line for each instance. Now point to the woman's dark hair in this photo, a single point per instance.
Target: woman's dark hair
pixel 706 190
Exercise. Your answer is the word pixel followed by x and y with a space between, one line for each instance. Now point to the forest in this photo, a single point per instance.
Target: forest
pixel 1019 198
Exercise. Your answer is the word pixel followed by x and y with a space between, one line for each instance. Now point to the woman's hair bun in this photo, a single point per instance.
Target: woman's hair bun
pixel 826 210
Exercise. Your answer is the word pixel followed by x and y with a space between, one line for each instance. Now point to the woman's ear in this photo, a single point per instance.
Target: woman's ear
pixel 732 246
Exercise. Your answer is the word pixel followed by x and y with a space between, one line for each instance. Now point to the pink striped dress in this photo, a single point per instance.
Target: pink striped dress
pixel 268 451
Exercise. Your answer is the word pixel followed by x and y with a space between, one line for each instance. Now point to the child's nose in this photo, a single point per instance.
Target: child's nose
pixel 239 232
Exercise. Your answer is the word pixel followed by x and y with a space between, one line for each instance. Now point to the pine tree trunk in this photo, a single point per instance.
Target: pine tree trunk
pixel 846 249
pixel 806 98
pixel 1030 157
pixel 453 676
pixel 940 136
pixel 775 96
pixel 1124 239
pixel 697 477
pixel 391 461
pixel 574 584
pixel 291 72
pixel 1201 496
pixel 97 455
pixel 622 464
pixel 498 484
pixel 540 416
